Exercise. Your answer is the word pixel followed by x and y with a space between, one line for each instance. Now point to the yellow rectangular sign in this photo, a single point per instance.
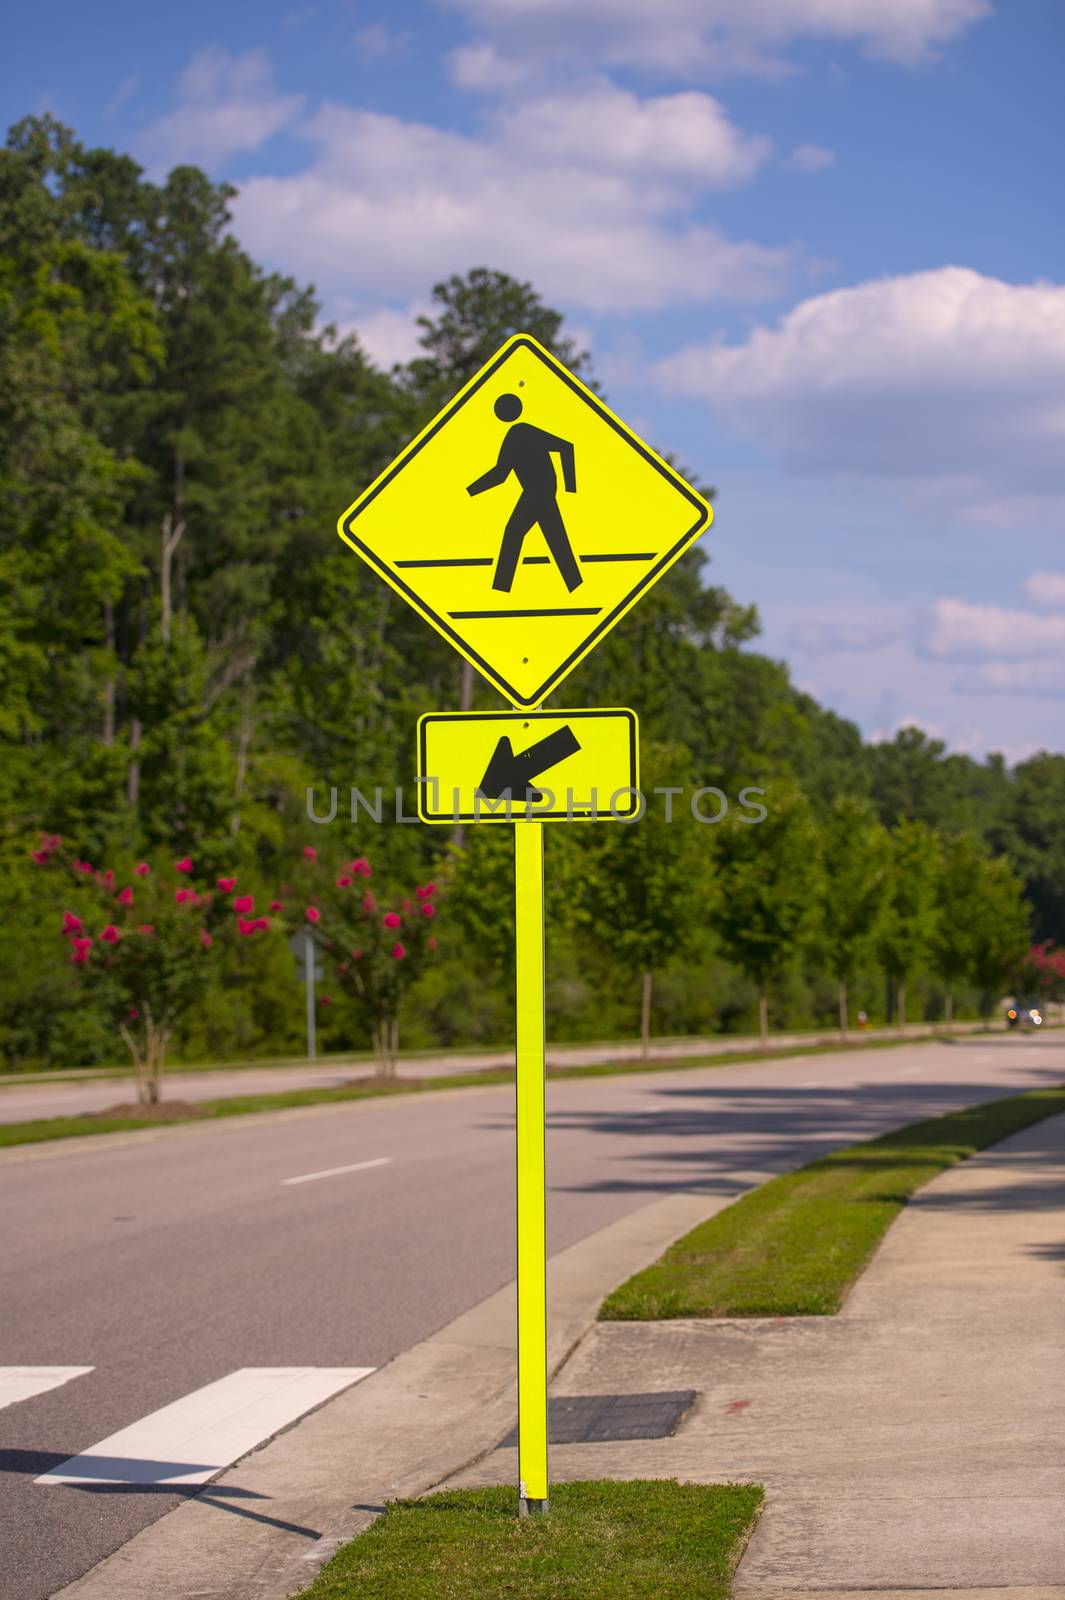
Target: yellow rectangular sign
pixel 551 766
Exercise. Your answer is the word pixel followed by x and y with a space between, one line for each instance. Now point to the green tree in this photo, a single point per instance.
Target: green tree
pixel 642 887
pixel 910 912
pixel 914 777
pixel 856 855
pixel 472 316
pixel 75 330
pixel 960 902
pixel 770 878
pixel 1000 923
pixel 1032 835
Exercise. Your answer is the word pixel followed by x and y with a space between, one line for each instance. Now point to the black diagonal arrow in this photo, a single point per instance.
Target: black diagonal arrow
pixel 507 771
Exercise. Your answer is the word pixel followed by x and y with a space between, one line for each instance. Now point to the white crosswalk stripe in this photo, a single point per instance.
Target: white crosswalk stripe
pixel 196 1437
pixel 22 1383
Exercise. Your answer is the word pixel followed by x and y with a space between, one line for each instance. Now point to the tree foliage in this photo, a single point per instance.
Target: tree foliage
pixel 185 648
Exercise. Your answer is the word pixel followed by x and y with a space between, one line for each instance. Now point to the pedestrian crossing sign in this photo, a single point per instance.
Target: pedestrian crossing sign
pixel 524 521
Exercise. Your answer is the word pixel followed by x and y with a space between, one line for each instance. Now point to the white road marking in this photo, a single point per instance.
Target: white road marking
pixel 199 1435
pixel 22 1383
pixel 336 1172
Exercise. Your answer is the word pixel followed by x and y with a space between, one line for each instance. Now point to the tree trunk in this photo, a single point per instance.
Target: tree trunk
pixel 133 772
pixel 763 1012
pixel 171 537
pixel 155 1054
pixel 948 1007
pixel 645 1014
pixel 138 1064
pixel 162 1043
pixel 386 1043
pixel 843 1007
pixel 900 1005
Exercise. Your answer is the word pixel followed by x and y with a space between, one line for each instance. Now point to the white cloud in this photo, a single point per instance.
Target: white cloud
pixel 958 631
pixel 387 205
pixel 480 66
pixel 1045 678
pixel 811 158
pixel 713 36
pixel 1006 652
pixel 377 41
pixel 947 379
pixel 1046 590
pixel 685 135
pixel 388 336
pixel 226 105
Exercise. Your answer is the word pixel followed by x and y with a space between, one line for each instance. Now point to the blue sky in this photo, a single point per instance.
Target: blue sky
pixel 814 247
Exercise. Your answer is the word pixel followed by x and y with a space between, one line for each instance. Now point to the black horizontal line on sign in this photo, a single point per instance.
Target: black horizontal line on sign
pixel 644 555
pixel 551 611
pixel 526 561
pixel 451 561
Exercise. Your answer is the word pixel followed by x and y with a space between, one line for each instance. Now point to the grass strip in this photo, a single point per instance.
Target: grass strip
pixel 646 1540
pixel 794 1246
pixel 40 1130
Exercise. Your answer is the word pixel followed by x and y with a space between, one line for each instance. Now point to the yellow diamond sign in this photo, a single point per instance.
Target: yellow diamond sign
pixel 525 521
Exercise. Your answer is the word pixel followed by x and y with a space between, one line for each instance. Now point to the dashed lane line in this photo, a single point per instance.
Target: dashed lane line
pixel 336 1172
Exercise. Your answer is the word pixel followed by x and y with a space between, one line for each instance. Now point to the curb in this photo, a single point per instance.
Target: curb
pixel 432 1411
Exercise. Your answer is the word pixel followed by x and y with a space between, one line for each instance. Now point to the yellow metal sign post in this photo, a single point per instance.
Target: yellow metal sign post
pixel 530 1118
pixel 524 577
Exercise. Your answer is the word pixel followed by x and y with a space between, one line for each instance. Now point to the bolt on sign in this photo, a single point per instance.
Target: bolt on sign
pixel 523 523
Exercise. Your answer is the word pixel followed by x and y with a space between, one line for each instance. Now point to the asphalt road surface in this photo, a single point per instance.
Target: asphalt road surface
pixel 167 1261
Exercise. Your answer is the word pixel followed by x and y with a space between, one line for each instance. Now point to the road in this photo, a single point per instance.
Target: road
pixel 21 1101
pixel 165 1261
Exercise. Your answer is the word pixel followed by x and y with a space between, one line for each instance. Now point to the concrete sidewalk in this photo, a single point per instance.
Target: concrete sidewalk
pixel 25 1097
pixel 915 1444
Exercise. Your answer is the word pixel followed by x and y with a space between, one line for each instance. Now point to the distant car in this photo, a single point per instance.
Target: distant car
pixel 1024 1017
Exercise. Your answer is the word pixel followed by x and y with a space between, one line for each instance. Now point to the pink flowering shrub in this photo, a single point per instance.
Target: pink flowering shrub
pixel 1041 976
pixel 374 948
pixel 146 946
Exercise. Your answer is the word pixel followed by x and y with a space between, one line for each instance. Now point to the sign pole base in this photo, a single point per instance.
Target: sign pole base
pixel 529 1106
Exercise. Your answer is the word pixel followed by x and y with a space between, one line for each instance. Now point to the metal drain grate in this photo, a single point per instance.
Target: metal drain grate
pixel 595 1418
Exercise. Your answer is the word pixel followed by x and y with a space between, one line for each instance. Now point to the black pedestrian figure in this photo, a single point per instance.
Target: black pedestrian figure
pixel 526 451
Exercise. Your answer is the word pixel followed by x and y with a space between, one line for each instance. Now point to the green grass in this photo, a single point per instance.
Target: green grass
pixel 599 1541
pixel 794 1246
pixel 42 1129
